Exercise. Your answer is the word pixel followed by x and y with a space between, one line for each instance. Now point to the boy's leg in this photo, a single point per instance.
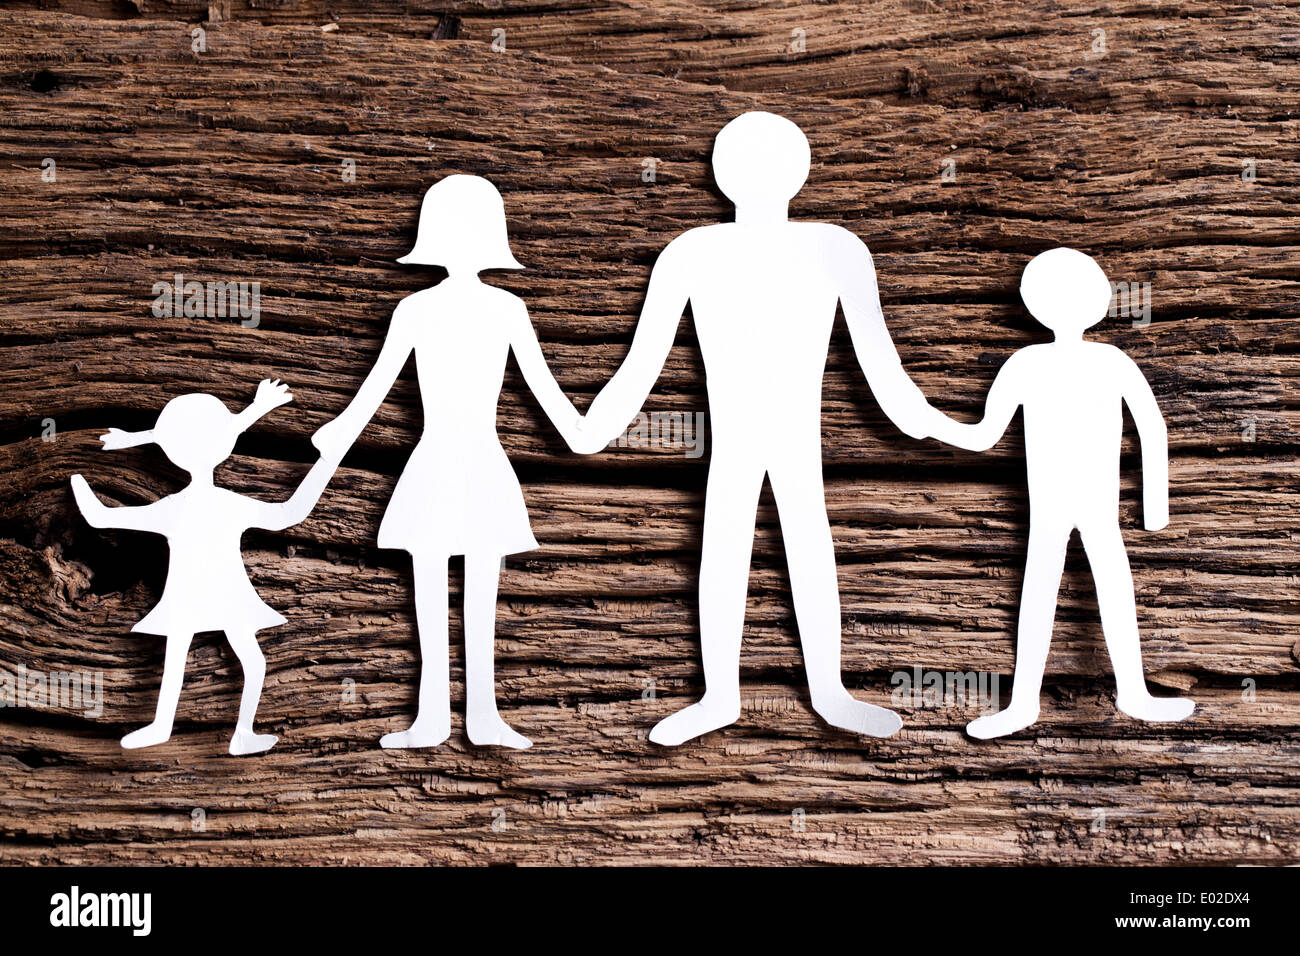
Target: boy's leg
pixel 1044 564
pixel 1110 570
pixel 432 724
pixel 253 663
pixel 810 554
pixel 730 509
pixel 178 646
pixel 483 724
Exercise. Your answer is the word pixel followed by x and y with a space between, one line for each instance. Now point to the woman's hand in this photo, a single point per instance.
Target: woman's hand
pixel 580 438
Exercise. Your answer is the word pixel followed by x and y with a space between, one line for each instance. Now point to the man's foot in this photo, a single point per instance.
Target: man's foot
pixel 496 733
pixel 154 733
pixel 694 721
pixel 846 712
pixel 422 733
pixel 1147 707
pixel 1002 723
pixel 244 742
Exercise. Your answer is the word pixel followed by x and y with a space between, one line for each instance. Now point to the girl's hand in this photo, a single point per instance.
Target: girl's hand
pixel 85 498
pixel 332 440
pixel 271 394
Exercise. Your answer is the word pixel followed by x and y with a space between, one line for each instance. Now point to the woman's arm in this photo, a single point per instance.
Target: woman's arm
pixel 333 439
pixel 528 353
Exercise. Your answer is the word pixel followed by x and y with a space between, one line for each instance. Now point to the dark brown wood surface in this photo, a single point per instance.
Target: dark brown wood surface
pixel 226 165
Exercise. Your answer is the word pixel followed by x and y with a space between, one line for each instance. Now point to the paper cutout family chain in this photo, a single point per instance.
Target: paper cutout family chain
pixel 763 292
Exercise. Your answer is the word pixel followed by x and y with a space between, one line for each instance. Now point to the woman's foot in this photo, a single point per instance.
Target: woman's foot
pixel 1003 722
pixel 710 713
pixel 154 733
pixel 1146 707
pixel 846 712
pixel 422 733
pixel 246 742
pixel 495 733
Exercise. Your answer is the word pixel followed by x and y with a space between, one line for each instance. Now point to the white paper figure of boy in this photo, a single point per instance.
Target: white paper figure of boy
pixel 1072 392
pixel 458 494
pixel 207 587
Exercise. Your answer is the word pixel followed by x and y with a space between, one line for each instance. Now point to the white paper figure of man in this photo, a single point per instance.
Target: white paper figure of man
pixel 1073 392
pixel 763 292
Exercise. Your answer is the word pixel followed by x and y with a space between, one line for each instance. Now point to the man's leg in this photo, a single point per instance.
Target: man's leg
pixel 730 507
pixel 1044 564
pixel 1110 570
pixel 810 554
pixel 433 719
pixel 178 646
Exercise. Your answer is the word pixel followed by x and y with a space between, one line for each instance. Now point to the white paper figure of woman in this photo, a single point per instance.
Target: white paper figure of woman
pixel 458 494
pixel 207 587
pixel 1072 392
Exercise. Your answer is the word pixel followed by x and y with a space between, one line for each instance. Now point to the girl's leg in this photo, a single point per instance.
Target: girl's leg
pixel 482 722
pixel 251 660
pixel 433 720
pixel 178 646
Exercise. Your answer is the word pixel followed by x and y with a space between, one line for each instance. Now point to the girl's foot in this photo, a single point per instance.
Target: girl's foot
pixel 1147 707
pixel 496 733
pixel 1002 723
pixel 154 733
pixel 422 733
pixel 245 742
pixel 709 714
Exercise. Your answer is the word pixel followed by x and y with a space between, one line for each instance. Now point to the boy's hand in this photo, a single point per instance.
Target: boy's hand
pixel 272 394
pixel 581 440
pixel 1154 516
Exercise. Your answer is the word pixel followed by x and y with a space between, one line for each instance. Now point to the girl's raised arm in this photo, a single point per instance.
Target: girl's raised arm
pixel 528 353
pixel 150 517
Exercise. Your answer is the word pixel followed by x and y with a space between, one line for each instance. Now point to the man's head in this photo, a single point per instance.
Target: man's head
pixel 1065 290
pixel 760 159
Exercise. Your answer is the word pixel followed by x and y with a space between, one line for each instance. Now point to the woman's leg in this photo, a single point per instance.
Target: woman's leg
pixel 178 646
pixel 433 720
pixel 482 722
pixel 244 741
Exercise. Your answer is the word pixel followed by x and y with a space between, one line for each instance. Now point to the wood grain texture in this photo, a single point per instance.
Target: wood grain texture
pixel 226 165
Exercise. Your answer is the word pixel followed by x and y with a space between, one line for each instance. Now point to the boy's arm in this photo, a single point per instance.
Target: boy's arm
pixel 278 515
pixel 626 392
pixel 558 408
pixel 1154 437
pixel 999 408
pixel 148 517
pixel 897 395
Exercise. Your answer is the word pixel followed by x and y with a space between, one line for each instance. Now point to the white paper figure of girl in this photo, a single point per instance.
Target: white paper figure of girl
pixel 1073 392
pixel 207 587
pixel 458 494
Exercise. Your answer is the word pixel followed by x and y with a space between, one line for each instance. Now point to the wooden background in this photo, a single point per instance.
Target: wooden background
pixel 226 165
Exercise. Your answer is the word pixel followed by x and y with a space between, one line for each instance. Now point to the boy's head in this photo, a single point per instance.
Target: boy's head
pixel 1065 290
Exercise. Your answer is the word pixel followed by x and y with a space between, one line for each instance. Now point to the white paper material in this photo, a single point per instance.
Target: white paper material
pixel 1072 392
pixel 207 588
pixel 763 292
pixel 458 493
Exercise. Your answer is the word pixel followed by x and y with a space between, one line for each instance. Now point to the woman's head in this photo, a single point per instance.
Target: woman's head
pixel 462 227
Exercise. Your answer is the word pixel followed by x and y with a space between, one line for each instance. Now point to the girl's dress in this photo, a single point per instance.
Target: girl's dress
pixel 458 493
pixel 207 585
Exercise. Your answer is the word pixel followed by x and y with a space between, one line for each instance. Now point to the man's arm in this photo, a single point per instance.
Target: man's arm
pixel 626 392
pixel 895 392
pixel 1154 437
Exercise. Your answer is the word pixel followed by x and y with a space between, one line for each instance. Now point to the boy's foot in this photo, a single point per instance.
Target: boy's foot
pixel 857 716
pixel 496 733
pixel 154 733
pixel 422 733
pixel 1156 708
pixel 244 742
pixel 1002 723
pixel 694 721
